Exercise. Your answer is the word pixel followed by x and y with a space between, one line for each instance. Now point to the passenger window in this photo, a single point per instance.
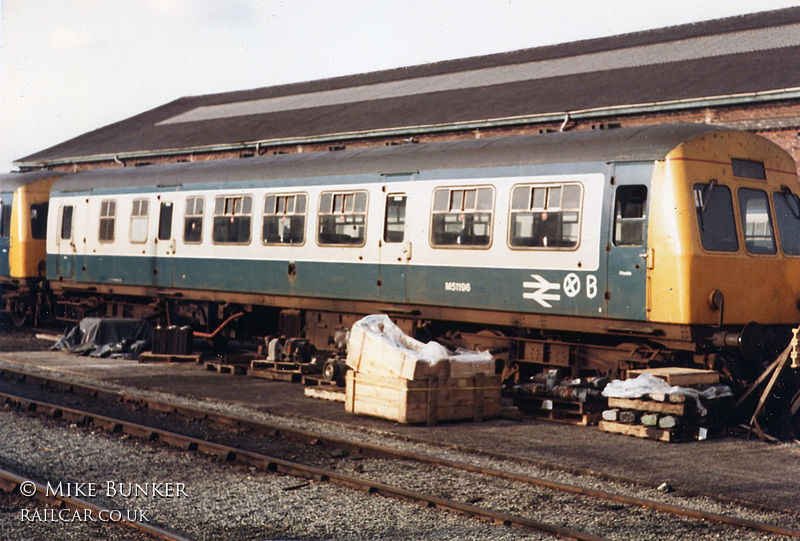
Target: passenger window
pixel 232 218
pixel 756 221
pixel 39 221
pixel 284 219
pixel 394 226
pixel 714 208
pixel 342 218
pixel 66 222
pixel 193 220
pixel 629 215
pixel 787 214
pixel 108 215
pixel 139 221
pixel 462 217
pixel 5 221
pixel 545 216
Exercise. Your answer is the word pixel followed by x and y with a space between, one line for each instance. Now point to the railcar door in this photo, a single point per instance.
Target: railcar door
pixel 395 249
pixel 626 286
pixel 65 242
pixel 166 245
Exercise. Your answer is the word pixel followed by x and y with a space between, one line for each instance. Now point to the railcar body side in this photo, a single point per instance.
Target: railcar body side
pixel 565 246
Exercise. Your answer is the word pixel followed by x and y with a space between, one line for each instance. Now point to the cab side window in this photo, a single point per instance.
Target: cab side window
pixel 787 214
pixel 5 220
pixel 39 220
pixel 630 218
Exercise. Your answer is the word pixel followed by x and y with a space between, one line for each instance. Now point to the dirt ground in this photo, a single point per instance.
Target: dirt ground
pixel 12 339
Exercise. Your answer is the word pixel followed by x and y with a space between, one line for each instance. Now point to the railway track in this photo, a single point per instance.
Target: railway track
pixel 308 440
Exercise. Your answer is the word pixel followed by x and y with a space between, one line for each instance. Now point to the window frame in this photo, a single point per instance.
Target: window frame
pixel 546 208
pixel 698 213
pixel 106 217
pixel 145 217
pixel 343 211
pixel 284 215
pixel 37 213
pixel 166 217
pixel 5 220
pixel 233 215
pixel 778 221
pixel 466 191
pixel 62 222
pixel 387 236
pixel 194 216
pixel 619 220
pixel 768 222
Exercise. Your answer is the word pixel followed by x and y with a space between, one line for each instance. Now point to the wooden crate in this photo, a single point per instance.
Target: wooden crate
pixel 427 400
pixel 374 355
pixel 679 377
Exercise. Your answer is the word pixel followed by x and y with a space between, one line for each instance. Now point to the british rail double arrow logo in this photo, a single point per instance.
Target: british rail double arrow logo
pixel 542 288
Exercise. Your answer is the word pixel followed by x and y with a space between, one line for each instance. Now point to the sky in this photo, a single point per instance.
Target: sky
pixel 70 66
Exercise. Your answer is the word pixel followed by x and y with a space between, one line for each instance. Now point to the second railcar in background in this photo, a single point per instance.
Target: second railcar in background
pixel 24 201
pixel 595 251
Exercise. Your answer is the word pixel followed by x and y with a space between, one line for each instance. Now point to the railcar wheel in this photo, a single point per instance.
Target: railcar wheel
pixel 45 309
pixel 19 313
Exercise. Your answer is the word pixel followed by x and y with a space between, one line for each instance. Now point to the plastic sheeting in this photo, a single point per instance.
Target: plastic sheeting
pixel 381 326
pixel 107 337
pixel 647 383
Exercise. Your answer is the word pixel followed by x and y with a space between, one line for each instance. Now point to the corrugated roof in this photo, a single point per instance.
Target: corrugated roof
pixel 746 57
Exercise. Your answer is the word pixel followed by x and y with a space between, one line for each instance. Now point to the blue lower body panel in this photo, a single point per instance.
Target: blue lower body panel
pixel 577 293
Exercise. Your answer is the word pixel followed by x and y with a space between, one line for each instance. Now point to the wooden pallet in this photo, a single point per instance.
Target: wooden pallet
pixel 149 357
pixel 275 375
pixel 226 368
pixel 671 435
pixel 303 368
pixel 562 411
pixel 314 381
pixel 680 377
pixel 325 393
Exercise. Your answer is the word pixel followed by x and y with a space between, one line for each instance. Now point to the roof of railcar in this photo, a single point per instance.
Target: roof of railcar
pixel 643 143
pixel 11 181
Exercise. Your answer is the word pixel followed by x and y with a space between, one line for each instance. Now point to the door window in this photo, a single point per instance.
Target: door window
pixel 165 221
pixel 66 222
pixel 395 224
pixel 629 215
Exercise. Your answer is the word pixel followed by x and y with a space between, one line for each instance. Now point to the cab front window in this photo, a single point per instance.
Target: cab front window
pixel 715 218
pixel 756 221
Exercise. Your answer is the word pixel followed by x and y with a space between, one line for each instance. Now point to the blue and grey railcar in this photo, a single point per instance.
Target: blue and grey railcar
pixel 571 249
